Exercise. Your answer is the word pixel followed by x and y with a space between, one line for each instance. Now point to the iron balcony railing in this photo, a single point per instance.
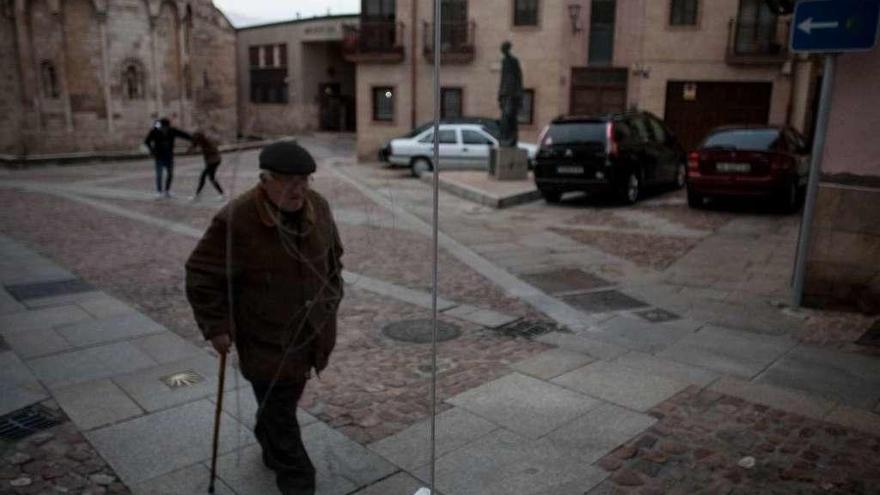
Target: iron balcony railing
pixel 456 41
pixel 373 41
pixel 757 42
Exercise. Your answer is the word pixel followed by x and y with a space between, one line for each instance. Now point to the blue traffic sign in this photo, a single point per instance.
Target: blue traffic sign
pixel 829 26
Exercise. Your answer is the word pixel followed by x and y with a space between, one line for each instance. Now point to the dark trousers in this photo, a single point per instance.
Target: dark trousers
pixel 279 434
pixel 166 164
pixel 210 170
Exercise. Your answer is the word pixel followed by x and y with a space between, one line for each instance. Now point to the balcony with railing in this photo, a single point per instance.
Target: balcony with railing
pixel 758 43
pixel 378 42
pixel 456 42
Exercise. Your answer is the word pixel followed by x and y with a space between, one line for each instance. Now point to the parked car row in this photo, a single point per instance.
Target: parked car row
pixel 624 154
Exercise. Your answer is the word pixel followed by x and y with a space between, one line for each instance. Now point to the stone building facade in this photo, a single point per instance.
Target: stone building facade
pixel 91 75
pixel 696 63
pixel 292 77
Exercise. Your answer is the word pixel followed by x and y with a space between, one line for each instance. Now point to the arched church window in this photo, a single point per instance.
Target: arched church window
pixel 133 81
pixel 49 79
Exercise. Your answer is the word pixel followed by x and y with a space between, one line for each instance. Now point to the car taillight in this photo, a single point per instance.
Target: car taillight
pixel 544 140
pixel 611 147
pixel 694 161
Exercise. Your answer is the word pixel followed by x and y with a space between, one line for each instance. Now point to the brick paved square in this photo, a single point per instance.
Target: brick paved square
pixel 624 386
pixel 523 404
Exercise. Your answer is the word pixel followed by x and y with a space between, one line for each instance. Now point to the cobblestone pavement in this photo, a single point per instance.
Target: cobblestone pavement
pixel 707 442
pixel 56 460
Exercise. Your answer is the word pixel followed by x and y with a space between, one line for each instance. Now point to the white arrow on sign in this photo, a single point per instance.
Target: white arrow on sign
pixel 808 25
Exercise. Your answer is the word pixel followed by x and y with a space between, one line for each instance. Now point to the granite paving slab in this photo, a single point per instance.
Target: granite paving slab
pixel 728 351
pixel 410 449
pixel 96 403
pixel 627 387
pixel 505 463
pixel 849 378
pixel 110 329
pixel 552 363
pixel 599 431
pixel 187 481
pixel 68 368
pixel 35 343
pixel 245 473
pixel 523 404
pixel 147 388
pixel 338 456
pixel 400 483
pixel 144 448
pixel 42 318
pixel 666 368
pixel 638 334
pixel 167 347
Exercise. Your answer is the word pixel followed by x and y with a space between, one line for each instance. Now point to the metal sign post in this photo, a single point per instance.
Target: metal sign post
pixel 829 27
pixel 813 184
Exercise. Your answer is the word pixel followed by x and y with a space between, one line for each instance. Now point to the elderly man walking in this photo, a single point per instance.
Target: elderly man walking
pixel 267 276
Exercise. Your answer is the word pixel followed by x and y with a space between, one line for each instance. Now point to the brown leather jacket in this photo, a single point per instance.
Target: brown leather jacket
pixel 285 288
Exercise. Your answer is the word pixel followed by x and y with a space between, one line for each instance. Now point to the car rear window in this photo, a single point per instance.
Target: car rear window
pixel 577 132
pixel 743 139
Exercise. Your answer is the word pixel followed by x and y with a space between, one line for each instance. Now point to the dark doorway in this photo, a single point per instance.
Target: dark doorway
pixel 695 108
pixel 597 90
pixel 332 110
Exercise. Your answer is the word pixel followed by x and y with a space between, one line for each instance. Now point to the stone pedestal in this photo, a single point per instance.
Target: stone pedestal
pixel 509 163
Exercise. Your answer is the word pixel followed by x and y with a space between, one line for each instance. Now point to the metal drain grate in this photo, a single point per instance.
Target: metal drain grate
pixel 566 280
pixel 24 422
pixel 530 328
pixel 23 292
pixel 658 315
pixel 871 337
pixel 181 379
pixel 419 331
pixel 603 301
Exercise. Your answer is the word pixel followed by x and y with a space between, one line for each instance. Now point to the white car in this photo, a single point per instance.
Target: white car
pixel 462 146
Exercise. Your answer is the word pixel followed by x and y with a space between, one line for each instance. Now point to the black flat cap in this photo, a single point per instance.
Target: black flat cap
pixel 287 157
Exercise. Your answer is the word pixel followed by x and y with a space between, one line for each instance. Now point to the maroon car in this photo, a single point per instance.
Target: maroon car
pixel 749 161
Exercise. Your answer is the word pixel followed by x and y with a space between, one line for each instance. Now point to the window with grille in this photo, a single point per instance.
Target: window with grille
pixel 268 71
pixel 383 104
pixel 525 12
pixel 683 12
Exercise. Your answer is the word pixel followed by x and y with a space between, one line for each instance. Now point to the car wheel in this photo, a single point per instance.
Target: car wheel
pixel 420 166
pixel 680 176
pixel 551 196
pixel 631 189
pixel 695 200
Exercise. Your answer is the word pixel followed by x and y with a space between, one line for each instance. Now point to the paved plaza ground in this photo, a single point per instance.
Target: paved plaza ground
pixel 592 348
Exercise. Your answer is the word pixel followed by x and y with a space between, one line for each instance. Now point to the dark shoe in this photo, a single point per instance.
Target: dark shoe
pixel 295 485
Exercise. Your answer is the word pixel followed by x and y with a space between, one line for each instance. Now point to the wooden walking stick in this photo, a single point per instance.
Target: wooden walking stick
pixel 217 421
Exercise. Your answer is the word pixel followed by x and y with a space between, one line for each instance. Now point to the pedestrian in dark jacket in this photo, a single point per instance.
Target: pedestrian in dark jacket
pixel 212 160
pixel 275 251
pixel 160 142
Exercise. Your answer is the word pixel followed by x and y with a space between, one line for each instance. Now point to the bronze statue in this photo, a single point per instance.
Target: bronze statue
pixel 510 94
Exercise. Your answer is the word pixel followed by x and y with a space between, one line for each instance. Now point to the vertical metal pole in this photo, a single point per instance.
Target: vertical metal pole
pixel 813 184
pixel 435 240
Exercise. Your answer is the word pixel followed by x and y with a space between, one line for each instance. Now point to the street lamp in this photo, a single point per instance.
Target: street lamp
pixel 574 13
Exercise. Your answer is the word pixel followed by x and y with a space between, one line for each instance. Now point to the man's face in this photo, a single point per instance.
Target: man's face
pixel 287 192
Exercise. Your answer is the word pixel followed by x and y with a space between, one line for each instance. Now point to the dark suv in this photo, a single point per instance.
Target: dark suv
pixel 620 153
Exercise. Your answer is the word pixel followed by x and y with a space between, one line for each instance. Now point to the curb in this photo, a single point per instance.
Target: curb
pixel 482 197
